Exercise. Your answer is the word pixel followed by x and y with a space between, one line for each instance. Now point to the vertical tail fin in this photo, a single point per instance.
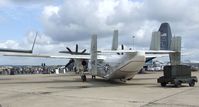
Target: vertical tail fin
pixel 155 41
pixel 94 55
pixel 34 42
pixel 176 44
pixel 175 58
pixel 115 40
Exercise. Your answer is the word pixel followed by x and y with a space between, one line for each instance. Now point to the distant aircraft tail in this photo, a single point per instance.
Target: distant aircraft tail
pixel 94 55
pixel 115 40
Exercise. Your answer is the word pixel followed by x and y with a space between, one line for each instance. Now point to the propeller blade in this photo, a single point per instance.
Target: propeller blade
pixel 64 52
pixel 83 51
pixel 76 48
pixel 69 50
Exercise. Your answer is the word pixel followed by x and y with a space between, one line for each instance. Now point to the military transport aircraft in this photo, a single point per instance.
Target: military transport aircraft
pixel 110 65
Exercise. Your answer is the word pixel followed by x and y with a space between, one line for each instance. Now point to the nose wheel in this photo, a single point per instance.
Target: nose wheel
pixel 83 77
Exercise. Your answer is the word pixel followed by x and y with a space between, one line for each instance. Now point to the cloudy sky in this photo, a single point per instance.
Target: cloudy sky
pixel 62 23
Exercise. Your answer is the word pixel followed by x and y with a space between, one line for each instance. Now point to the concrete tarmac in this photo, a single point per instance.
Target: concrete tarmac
pixel 67 90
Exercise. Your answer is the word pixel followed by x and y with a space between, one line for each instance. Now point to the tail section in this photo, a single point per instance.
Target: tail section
pixel 94 55
pixel 176 44
pixel 167 42
pixel 161 40
pixel 175 58
pixel 155 41
pixel 115 40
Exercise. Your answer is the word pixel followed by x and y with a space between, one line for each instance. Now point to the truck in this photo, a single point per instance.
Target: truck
pixel 177 74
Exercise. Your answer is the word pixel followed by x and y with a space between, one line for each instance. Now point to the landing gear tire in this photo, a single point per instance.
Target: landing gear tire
pixel 129 79
pixel 83 77
pixel 178 84
pixel 93 77
pixel 122 80
pixel 192 84
pixel 163 84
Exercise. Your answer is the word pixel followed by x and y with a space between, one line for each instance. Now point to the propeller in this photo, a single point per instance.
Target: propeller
pixel 76 52
pixel 69 50
pixel 83 51
pixel 71 62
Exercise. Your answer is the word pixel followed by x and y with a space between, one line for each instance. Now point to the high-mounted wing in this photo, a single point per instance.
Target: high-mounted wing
pixel 52 56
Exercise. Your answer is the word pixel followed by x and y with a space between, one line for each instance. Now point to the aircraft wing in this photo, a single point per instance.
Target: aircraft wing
pixel 2 50
pixel 52 56
pixel 15 50
pixel 133 51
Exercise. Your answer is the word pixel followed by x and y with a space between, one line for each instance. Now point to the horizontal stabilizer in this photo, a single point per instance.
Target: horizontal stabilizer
pixel 134 51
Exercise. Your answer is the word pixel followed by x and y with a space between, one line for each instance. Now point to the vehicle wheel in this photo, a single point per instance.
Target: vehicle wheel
pixel 122 80
pixel 83 77
pixel 192 84
pixel 93 77
pixel 129 79
pixel 163 84
pixel 178 84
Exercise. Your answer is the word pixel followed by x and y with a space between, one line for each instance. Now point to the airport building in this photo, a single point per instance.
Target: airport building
pixel 166 35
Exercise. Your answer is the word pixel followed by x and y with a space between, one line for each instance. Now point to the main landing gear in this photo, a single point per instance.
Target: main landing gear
pixel 83 77
pixel 123 80
pixel 93 77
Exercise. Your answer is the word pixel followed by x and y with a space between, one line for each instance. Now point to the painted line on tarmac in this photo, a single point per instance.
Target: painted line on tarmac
pixel 154 102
